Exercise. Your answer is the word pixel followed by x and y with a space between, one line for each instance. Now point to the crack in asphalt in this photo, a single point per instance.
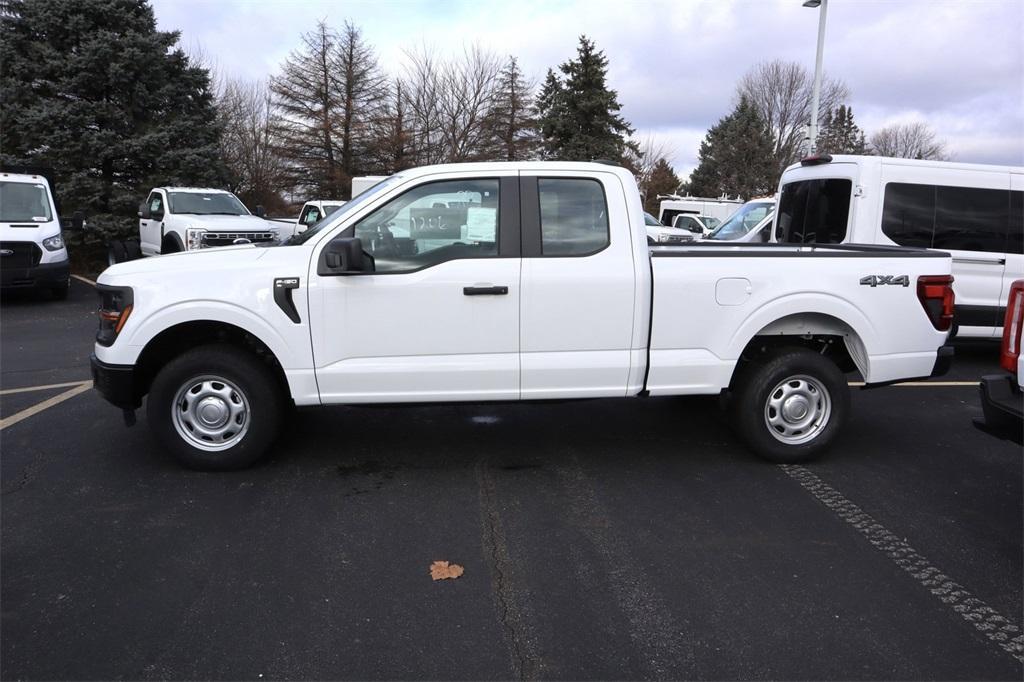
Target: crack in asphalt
pixel 513 612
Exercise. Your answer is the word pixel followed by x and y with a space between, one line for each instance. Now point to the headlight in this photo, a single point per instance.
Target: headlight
pixel 54 243
pixel 194 238
pixel 115 307
pixel 664 237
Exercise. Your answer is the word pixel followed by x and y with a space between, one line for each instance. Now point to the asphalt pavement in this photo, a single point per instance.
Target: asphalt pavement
pixel 612 539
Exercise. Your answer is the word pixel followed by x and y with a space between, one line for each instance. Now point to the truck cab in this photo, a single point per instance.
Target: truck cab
pixel 314 211
pixel 32 250
pixel 174 219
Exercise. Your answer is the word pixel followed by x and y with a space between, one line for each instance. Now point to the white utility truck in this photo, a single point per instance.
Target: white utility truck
pixel 673 205
pixel 974 212
pixel 32 250
pixel 509 281
pixel 174 219
pixel 661 234
pixel 314 211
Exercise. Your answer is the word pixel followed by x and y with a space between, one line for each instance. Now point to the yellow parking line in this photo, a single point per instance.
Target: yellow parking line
pixel 84 279
pixel 46 404
pixel 29 389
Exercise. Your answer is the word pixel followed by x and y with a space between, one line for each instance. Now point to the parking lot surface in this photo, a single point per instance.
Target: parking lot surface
pixel 601 539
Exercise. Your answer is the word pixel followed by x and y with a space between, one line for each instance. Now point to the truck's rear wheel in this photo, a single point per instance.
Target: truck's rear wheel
pixel 116 252
pixel 790 407
pixel 216 407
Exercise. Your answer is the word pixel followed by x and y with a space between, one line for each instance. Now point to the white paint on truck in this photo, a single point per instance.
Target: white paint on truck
pixel 509 281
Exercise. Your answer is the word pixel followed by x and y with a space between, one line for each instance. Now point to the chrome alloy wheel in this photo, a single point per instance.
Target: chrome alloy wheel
pixel 210 413
pixel 797 409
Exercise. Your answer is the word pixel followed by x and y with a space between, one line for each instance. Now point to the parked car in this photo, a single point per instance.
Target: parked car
pixel 33 254
pixel 314 211
pixel 673 205
pixel 174 219
pixel 1002 397
pixel 509 281
pixel 659 234
pixel 974 212
pixel 751 223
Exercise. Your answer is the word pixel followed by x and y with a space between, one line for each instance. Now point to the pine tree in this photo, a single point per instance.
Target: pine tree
pixel 512 123
pixel 839 134
pixel 662 180
pixel 579 117
pixel 736 157
pixel 94 91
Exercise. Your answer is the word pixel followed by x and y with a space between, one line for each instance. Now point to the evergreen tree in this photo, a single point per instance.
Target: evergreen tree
pixel 839 134
pixel 736 157
pixel 662 180
pixel 363 89
pixel 579 117
pixel 92 90
pixel 512 123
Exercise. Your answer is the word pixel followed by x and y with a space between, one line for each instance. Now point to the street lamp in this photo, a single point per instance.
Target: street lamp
pixel 812 128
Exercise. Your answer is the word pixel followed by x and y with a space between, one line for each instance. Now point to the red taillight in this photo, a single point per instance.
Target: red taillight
pixel 1012 325
pixel 936 295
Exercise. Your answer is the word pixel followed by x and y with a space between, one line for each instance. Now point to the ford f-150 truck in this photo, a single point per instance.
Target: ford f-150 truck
pixel 509 281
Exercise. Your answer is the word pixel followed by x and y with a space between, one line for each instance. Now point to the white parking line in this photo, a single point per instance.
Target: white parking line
pixel 999 629
pixel 46 404
pixel 44 387
pixel 84 279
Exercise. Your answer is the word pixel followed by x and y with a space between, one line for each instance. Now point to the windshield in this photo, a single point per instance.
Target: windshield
pixel 651 220
pixel 342 211
pixel 24 202
pixel 742 221
pixel 711 223
pixel 331 208
pixel 206 203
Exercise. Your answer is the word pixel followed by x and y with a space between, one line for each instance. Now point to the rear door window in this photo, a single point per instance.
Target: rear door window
pixel 573 217
pixel 971 219
pixel 908 214
pixel 814 211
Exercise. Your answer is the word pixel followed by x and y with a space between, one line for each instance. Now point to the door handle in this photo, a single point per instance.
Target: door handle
pixel 485 291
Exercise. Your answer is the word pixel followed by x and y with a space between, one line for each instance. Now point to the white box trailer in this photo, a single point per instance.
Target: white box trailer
pixel 365 182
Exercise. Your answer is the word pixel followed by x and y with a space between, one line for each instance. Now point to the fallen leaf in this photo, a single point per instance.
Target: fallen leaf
pixel 442 570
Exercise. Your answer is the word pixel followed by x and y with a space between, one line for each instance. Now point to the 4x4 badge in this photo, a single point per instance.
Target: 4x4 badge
pixel 880 280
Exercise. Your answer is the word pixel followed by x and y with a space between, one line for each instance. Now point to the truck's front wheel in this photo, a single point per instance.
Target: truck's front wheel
pixel 790 407
pixel 215 408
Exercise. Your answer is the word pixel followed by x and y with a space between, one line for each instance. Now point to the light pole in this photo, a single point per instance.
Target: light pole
pixel 812 128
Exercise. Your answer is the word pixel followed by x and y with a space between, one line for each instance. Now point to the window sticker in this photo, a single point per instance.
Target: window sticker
pixel 481 224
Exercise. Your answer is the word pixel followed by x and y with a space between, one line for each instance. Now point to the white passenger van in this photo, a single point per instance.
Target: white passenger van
pixel 672 205
pixel 972 211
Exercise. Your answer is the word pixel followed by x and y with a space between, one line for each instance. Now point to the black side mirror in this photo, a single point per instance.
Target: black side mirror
pixel 260 211
pixel 144 211
pixel 77 221
pixel 345 256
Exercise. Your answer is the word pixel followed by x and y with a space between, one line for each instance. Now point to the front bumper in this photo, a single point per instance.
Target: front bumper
pixel 116 383
pixel 44 275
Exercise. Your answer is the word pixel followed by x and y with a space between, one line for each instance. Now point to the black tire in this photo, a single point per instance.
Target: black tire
pixel 60 292
pixel 116 252
pixel 818 391
pixel 169 246
pixel 247 380
pixel 132 250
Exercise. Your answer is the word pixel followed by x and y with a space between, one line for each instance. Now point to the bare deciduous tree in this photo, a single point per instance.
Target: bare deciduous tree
pixel 908 141
pixel 256 170
pixel 642 157
pixel 781 93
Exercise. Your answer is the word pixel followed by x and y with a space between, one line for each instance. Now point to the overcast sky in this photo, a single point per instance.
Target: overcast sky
pixel 957 65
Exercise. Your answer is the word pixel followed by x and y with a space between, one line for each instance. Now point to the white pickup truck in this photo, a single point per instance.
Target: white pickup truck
pixel 509 281
pixel 174 219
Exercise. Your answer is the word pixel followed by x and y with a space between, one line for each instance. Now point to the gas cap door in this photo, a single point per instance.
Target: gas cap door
pixel 732 290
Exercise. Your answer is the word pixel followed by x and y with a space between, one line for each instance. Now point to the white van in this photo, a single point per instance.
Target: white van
pixel 972 211
pixel 32 250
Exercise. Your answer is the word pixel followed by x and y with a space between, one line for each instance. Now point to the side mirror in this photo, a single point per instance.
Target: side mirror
pixel 77 221
pixel 345 256
pixel 260 212
pixel 144 211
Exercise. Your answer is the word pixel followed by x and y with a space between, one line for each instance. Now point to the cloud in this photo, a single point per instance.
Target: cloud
pixel 957 65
